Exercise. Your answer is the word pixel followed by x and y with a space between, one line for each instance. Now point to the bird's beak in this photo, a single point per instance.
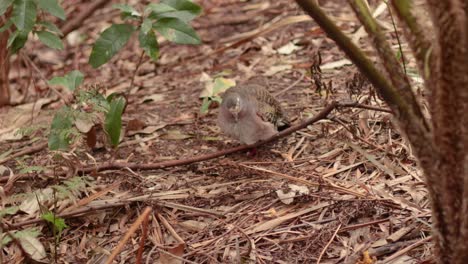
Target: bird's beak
pixel 235 114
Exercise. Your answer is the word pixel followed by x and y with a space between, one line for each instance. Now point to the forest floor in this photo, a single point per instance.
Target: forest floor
pixel 345 189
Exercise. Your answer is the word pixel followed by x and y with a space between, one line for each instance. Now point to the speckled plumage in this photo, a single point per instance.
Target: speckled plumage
pixel 249 113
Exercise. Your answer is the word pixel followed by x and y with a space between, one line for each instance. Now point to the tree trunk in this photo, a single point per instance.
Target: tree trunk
pixel 442 146
pixel 4 67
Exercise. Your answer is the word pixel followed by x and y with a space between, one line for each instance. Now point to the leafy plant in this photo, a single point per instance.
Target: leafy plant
pixel 30 131
pixel 169 18
pixel 113 122
pixel 28 240
pixel 58 224
pixel 24 18
pixel 25 168
pixel 213 89
pixel 32 203
pixel 71 188
pixel 8 211
pixel 91 108
pixel 71 80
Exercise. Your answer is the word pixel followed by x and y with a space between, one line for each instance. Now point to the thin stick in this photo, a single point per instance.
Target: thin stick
pixel 403 61
pixel 132 82
pixel 363 106
pixel 129 233
pixel 144 234
pixel 29 150
pixel 44 79
pixel 328 244
pixel 180 162
pixel 407 249
pixel 78 19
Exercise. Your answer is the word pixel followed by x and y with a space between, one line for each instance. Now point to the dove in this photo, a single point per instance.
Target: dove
pixel 249 113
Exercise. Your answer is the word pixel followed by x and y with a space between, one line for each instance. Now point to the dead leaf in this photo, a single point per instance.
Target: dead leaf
pixel 152 97
pixel 288 48
pixel 4 170
pixel 335 64
pixel 193 225
pixel 169 259
pixel 91 137
pixel 277 68
pixel 147 130
pixel 216 86
pixel 19 116
pixel 31 205
pixel 13 135
pixel 295 190
pixel 84 125
pixel 33 247
pixel 175 135
pixel 135 124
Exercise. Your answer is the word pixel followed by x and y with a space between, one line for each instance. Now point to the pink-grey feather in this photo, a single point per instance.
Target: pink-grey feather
pixel 249 113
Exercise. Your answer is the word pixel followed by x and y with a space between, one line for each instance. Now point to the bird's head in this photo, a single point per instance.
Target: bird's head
pixel 233 103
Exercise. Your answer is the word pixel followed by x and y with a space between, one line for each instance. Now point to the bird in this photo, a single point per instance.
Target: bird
pixel 249 113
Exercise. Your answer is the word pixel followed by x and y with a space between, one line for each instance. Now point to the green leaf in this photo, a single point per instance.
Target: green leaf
pixel 167 11
pixel 109 43
pixel 4 4
pixel 205 105
pixel 51 27
pixel 156 9
pixel 8 211
pixel 18 234
pixel 146 25
pixel 149 44
pixel 49 39
pixel 217 99
pixel 6 26
pixel 222 84
pixel 6 153
pixel 32 246
pixel 52 7
pixel 113 122
pixel 183 5
pixel 24 14
pixel 29 169
pixel 57 222
pixel 17 40
pixel 182 9
pixel 71 80
pixel 59 136
pixel 127 11
pixel 176 30
pixel 12 38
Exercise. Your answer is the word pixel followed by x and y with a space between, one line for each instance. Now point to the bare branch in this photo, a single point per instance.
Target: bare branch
pixel 419 42
pixel 398 78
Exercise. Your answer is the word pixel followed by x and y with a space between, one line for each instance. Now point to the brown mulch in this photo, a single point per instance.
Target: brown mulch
pixel 343 190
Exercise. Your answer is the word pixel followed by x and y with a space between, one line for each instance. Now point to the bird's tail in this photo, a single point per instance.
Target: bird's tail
pixel 283 124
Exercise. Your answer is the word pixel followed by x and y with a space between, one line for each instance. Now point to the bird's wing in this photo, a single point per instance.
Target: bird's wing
pixel 268 108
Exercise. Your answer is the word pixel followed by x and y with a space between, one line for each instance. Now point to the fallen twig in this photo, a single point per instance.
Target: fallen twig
pixel 172 163
pixel 26 151
pixel 368 107
pixel 82 16
pixel 129 234
pixel 407 249
pixel 112 203
pixel 328 244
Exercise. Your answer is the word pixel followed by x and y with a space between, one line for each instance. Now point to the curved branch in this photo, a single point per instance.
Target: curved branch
pixel 398 78
pixel 414 32
pixel 180 162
